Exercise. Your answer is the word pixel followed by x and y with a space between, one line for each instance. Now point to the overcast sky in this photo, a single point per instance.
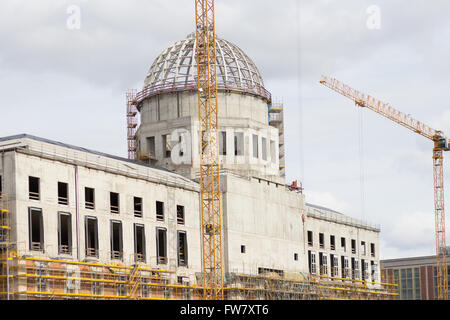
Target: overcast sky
pixel 66 83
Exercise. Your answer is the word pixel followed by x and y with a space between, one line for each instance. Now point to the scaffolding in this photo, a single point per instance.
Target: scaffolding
pixel 40 278
pixel 33 278
pixel 46 279
pixel 132 123
pixel 276 119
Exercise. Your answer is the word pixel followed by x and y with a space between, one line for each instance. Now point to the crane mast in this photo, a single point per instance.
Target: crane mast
pixel 211 216
pixel 440 145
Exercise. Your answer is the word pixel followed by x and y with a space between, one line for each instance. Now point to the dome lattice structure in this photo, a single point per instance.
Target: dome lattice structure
pixel 175 69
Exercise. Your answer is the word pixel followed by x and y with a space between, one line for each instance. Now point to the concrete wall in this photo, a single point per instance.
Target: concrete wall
pixel 8 181
pixel 171 106
pixel 265 218
pixel 238 113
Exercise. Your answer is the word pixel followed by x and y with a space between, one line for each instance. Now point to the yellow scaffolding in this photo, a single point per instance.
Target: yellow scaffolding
pixel 25 277
pixel 41 278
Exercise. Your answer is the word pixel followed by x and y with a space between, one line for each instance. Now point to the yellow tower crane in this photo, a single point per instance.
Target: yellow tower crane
pixel 211 216
pixel 440 145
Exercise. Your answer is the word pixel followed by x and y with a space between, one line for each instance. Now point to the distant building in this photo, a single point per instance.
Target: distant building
pixel 416 276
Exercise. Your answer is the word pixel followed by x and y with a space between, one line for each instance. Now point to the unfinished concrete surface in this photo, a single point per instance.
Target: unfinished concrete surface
pixel 90 225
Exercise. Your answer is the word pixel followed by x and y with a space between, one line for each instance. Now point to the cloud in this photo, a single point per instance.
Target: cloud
pixel 409 233
pixel 69 85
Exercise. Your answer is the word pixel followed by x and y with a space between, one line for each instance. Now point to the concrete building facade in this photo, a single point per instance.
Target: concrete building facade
pixel 66 202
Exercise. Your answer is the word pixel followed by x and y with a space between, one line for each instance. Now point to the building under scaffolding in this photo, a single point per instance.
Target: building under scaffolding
pixel 39 278
pixel 81 224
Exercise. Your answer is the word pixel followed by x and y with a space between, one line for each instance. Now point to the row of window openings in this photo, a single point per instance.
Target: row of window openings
pixel 346 272
pixel 343 244
pixel 89 194
pixel 238 146
pixel 36 238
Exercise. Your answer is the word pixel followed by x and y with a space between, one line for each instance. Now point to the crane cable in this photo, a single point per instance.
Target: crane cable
pixel 361 160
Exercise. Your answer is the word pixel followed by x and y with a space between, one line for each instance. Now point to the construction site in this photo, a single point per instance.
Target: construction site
pixel 200 209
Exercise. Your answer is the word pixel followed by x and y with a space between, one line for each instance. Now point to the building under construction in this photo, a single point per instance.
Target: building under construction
pixel 81 224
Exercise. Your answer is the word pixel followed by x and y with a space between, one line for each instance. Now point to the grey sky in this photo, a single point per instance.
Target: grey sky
pixel 69 85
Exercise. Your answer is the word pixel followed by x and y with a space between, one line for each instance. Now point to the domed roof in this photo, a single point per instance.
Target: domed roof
pixel 175 69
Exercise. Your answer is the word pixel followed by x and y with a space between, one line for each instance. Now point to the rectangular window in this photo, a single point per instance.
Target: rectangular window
pixel 33 188
pixel 161 245
pixel 89 198
pixel 182 248
pixel 334 265
pixel 145 288
pixel 238 143
pixel 42 280
pixel 417 292
pixel 310 238
pixel 272 151
pixel 158 111
pixel 242 249
pixel 365 270
pixel 355 268
pixel 63 193
pixel 91 236
pixel 222 143
pixel 264 148
pixel 295 256
pixel 345 268
pixel 312 262
pixel 372 249
pixel 166 146
pixel 137 203
pixel 180 215
pixel 321 241
pixel 64 233
pixel 159 211
pixel 332 243
pixel 363 248
pixel 373 270
pixel 116 240
pixel 36 229
pixel 1 186
pixel 151 146
pixel 255 146
pixel 121 287
pixel 139 243
pixel 178 105
pixel 343 245
pixel 97 284
pixel 353 246
pixel 114 202
pixel 323 262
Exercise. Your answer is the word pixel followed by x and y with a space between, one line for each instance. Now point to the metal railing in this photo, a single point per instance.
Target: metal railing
pixel 152 90
pixel 89 205
pixel 340 218
pixel 63 200
pixel 92 252
pixel 33 195
pixel 64 249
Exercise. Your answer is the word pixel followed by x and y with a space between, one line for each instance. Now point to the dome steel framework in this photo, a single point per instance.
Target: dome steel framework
pixel 175 69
